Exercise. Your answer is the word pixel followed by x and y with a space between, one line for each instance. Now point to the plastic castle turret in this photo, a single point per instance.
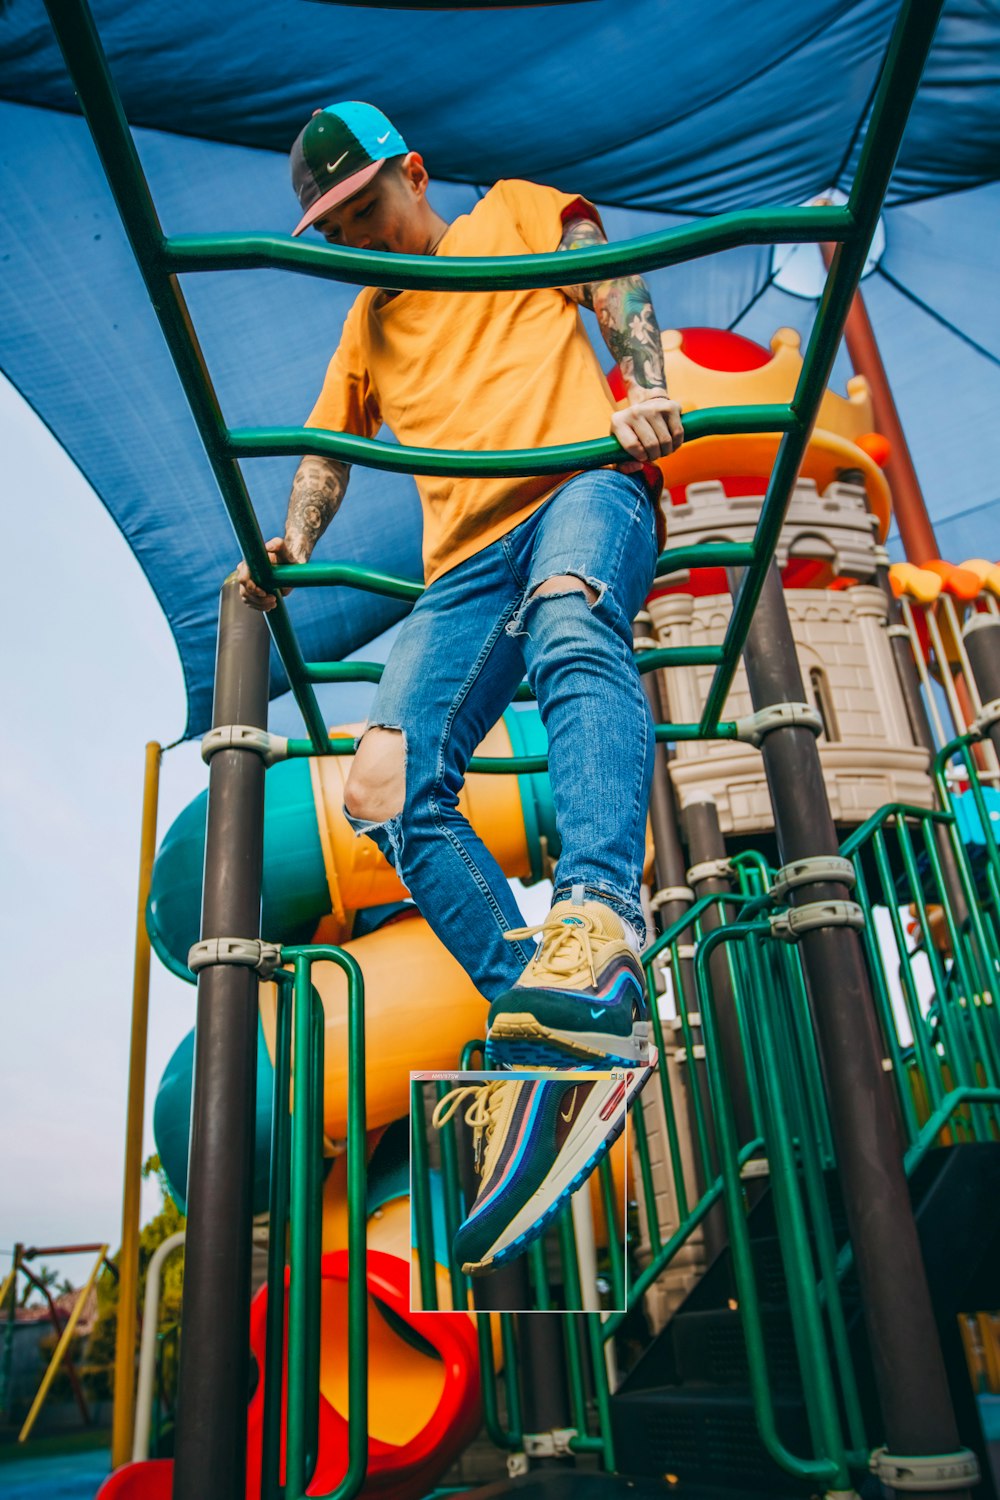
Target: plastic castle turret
pixel 829 551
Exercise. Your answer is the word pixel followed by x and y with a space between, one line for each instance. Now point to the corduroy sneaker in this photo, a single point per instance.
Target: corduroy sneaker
pixel 581 1001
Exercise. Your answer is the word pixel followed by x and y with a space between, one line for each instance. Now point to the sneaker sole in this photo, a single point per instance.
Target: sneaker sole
pixel 530 1228
pixel 521 1040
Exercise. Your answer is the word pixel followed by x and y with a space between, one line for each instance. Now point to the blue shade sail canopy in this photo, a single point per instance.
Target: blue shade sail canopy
pixel 658 112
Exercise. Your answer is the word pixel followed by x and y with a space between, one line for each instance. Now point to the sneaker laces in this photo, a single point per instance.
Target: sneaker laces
pixel 565 946
pixel 482 1113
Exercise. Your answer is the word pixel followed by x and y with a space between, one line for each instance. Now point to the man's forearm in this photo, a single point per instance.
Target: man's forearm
pixel 625 313
pixel 317 490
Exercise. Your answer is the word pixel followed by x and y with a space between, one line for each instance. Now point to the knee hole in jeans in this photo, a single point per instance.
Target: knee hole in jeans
pixel 558 586
pixel 376 784
pixel 566 583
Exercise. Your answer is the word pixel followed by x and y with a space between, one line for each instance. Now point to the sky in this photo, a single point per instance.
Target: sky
pixel 92 675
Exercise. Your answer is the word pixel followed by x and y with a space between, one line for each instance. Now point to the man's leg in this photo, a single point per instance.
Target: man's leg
pixel 452 671
pixel 582 997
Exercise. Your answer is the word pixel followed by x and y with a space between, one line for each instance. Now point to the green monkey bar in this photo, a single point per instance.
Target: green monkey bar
pixel 162 258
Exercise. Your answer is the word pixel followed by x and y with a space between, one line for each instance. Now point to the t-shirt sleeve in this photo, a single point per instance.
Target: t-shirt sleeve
pixel 348 401
pixel 540 212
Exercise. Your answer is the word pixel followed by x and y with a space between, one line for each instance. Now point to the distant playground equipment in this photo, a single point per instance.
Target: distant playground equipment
pixel 64 1328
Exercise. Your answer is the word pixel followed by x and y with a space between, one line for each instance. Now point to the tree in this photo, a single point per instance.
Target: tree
pixel 101 1348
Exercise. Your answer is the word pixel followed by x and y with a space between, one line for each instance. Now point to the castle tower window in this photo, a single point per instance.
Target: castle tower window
pixel 823 699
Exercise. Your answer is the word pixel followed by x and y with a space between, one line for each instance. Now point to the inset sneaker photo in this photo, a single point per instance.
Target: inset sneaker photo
pixel 518 1189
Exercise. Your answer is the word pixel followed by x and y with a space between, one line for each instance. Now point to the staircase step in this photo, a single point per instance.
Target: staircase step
pixel 710 1348
pixel 707 1436
pixel 567 1484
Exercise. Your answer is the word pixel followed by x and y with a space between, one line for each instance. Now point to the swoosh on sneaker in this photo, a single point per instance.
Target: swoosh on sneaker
pixel 567 1114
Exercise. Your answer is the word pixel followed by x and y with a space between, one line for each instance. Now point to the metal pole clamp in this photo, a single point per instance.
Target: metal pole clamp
pixel 753 727
pixel 812 870
pixel 710 869
pixel 270 747
pixel 670 893
pixel 988 715
pixel 247 953
pixel 925 1471
pixel 553 1444
pixel 794 923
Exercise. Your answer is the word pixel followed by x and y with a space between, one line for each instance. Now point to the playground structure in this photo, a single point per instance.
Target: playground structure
pixel 791 1052
pixel 64 1328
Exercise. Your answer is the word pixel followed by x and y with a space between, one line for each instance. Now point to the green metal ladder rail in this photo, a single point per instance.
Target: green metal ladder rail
pixel 784 1137
pixel 162 259
pixel 296 1200
pixel 969 1023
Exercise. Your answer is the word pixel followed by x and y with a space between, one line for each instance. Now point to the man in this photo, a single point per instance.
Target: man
pixel 528 576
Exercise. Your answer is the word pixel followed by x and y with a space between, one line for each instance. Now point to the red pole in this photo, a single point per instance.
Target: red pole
pixel 915 529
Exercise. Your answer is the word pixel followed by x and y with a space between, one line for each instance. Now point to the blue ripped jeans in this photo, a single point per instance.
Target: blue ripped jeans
pixel 454 668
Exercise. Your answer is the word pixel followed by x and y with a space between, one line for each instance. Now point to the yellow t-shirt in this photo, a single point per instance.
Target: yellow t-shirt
pixel 473 370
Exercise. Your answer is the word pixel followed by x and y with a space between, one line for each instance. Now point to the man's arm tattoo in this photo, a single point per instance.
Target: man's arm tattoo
pixel 625 313
pixel 317 490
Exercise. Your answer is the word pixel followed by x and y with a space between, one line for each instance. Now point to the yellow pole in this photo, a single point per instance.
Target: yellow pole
pixel 128 1262
pixel 7 1282
pixel 60 1349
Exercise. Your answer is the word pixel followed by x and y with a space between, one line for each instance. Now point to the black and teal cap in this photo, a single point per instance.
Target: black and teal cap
pixel 338 153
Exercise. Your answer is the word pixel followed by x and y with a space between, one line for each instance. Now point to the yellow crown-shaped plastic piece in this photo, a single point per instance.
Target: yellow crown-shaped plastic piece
pixel 696 387
pixel 915 583
pixel 987 572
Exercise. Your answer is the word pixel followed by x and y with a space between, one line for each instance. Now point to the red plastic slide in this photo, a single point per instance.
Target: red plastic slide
pixel 417 1426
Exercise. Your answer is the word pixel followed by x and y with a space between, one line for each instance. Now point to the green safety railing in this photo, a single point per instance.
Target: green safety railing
pixel 295 1211
pixel 942 1041
pixel 162 259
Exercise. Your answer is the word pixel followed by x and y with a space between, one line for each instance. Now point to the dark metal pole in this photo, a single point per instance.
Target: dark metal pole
pixel 981 635
pixel 542 1374
pixel 210 1453
pixel 706 846
pixel 671 899
pixel 541 1355
pixel 544 1381
pixel 906 1351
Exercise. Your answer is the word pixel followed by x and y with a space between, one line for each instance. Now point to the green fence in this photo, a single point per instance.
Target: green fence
pixel 940 1032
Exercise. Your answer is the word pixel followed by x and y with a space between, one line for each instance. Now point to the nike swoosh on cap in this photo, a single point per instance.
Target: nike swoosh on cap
pixel 332 166
pixel 383 138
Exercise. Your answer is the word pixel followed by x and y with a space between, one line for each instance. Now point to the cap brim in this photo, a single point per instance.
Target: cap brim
pixel 339 194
